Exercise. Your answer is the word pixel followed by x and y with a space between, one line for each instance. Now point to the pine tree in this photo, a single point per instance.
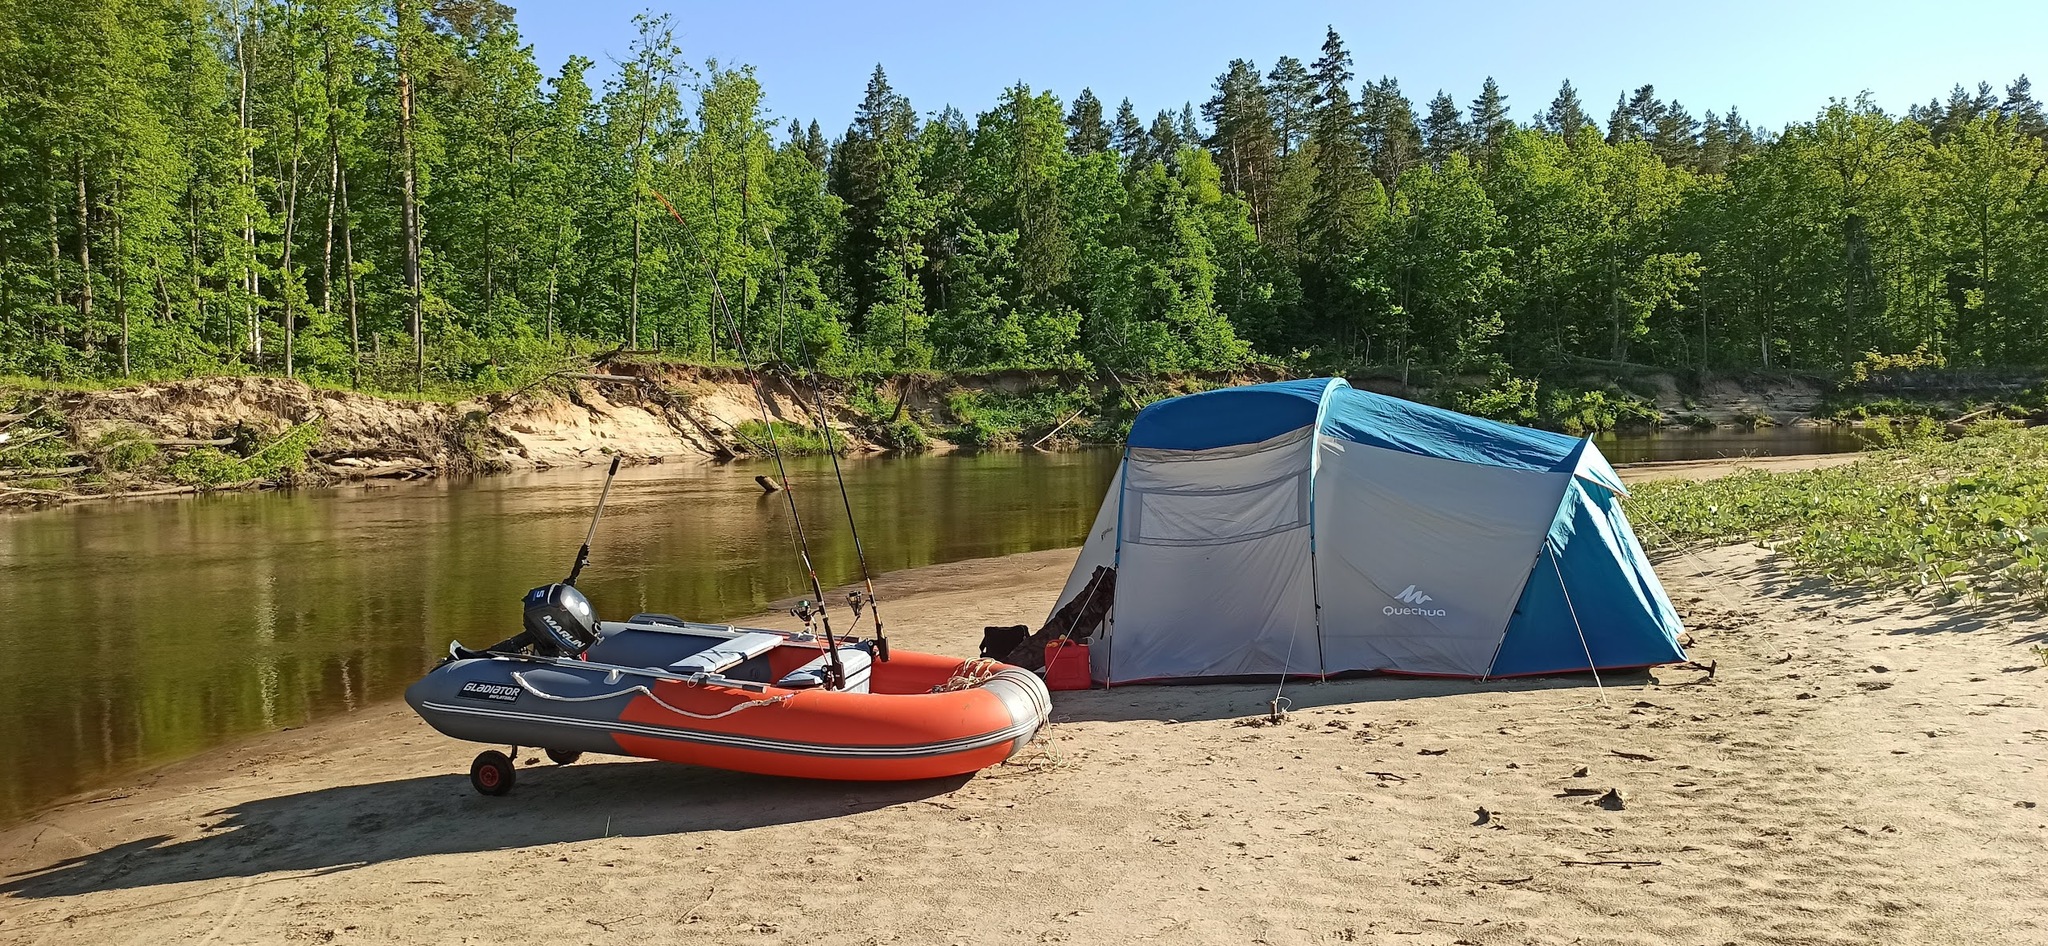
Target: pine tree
pixel 1566 115
pixel 1087 133
pixel 1391 138
pixel 1184 124
pixel 2021 108
pixel 1490 121
pixel 1292 91
pixel 816 149
pixel 1675 138
pixel 1621 126
pixel 1714 148
pixel 1342 200
pixel 1443 132
pixel 1128 136
pixel 875 173
pixel 1245 143
pixel 1163 140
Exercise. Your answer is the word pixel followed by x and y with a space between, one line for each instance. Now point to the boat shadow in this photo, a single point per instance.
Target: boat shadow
pixel 344 827
pixel 1212 701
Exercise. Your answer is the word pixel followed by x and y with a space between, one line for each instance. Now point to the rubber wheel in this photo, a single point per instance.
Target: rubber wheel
pixel 492 773
pixel 564 756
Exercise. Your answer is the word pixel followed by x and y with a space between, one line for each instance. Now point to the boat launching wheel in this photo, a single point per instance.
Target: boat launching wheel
pixel 492 773
pixel 563 756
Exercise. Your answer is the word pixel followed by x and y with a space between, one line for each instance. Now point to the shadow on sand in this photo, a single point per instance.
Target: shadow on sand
pixel 349 826
pixel 1210 701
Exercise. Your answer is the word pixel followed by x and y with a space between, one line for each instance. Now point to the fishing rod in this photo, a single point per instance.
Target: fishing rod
pixel 774 447
pixel 557 616
pixel 832 450
pixel 583 554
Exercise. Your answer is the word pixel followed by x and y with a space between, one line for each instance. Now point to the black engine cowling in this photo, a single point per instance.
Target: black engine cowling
pixel 559 619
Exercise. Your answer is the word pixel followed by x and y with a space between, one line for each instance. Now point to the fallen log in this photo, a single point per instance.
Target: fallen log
pixel 1062 426
pixel 39 474
pixel 25 441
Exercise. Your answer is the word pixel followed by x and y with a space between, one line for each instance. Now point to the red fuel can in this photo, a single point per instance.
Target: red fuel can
pixel 1066 665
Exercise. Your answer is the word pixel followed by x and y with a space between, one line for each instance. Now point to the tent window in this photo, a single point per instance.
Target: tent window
pixel 1158 516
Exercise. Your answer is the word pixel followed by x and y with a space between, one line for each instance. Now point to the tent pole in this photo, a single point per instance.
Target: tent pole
pixel 1575 624
pixel 1116 564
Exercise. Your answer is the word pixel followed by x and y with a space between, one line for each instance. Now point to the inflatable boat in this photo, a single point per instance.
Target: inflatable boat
pixel 749 700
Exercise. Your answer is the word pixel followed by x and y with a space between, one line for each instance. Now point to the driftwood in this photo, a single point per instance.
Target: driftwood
pixel 404 469
pixel 39 474
pixel 25 441
pixel 1076 621
pixel 767 485
pixel 1062 426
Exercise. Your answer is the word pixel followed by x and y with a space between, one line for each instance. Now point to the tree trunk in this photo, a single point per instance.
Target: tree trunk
pixel 554 274
pixel 409 196
pixel 348 281
pixel 251 283
pixel 84 253
pixel 333 180
pixel 639 153
pixel 291 217
pixel 327 241
pixel 120 278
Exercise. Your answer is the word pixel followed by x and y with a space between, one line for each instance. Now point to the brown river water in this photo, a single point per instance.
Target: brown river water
pixel 137 633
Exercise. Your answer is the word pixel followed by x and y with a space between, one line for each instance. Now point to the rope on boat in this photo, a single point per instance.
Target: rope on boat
pixel 971 674
pixel 658 701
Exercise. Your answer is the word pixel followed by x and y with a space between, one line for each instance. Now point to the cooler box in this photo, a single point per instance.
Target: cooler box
pixel 1066 665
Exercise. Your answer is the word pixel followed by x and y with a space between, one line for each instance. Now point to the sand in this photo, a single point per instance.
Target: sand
pixel 1858 770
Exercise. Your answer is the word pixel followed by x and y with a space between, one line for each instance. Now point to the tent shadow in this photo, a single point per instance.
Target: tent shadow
pixel 349 826
pixel 1212 701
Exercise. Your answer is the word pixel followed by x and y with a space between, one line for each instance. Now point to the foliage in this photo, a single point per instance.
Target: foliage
pixel 1963 518
pixel 790 439
pixel 394 196
pixel 124 450
pixel 282 458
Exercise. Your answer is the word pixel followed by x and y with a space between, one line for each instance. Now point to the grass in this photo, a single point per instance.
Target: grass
pixel 1965 519
pixel 794 440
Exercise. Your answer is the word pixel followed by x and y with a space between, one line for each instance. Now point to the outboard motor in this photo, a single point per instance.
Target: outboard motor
pixel 559 620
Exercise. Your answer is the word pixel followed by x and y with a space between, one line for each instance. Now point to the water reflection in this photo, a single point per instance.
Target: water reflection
pixel 1727 442
pixel 141 632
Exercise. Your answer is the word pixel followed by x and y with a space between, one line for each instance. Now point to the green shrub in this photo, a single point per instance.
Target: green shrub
pixel 1963 518
pixel 792 440
pixel 124 450
pixel 282 459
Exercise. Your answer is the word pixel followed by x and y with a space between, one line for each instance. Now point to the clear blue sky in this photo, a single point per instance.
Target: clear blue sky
pixel 1779 60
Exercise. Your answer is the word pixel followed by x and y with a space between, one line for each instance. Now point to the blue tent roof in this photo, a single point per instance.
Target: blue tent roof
pixel 1253 413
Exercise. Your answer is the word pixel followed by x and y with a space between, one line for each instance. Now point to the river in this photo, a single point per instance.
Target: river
pixel 140 632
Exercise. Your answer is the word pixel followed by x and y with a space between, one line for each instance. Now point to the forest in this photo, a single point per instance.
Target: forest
pixel 390 194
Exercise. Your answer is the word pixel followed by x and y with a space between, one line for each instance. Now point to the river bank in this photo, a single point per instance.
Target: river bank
pixel 1859 769
pixel 247 432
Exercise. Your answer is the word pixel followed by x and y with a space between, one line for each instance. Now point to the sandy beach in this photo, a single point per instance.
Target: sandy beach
pixel 1860 769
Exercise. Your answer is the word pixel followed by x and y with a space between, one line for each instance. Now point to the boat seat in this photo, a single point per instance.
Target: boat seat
pixel 726 655
pixel 856 660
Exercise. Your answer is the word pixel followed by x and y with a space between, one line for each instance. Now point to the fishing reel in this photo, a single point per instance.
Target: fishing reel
pixel 807 612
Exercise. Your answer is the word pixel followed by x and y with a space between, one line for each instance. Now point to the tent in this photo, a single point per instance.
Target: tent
pixel 1308 528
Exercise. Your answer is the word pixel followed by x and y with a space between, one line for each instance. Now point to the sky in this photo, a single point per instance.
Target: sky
pixel 1778 61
